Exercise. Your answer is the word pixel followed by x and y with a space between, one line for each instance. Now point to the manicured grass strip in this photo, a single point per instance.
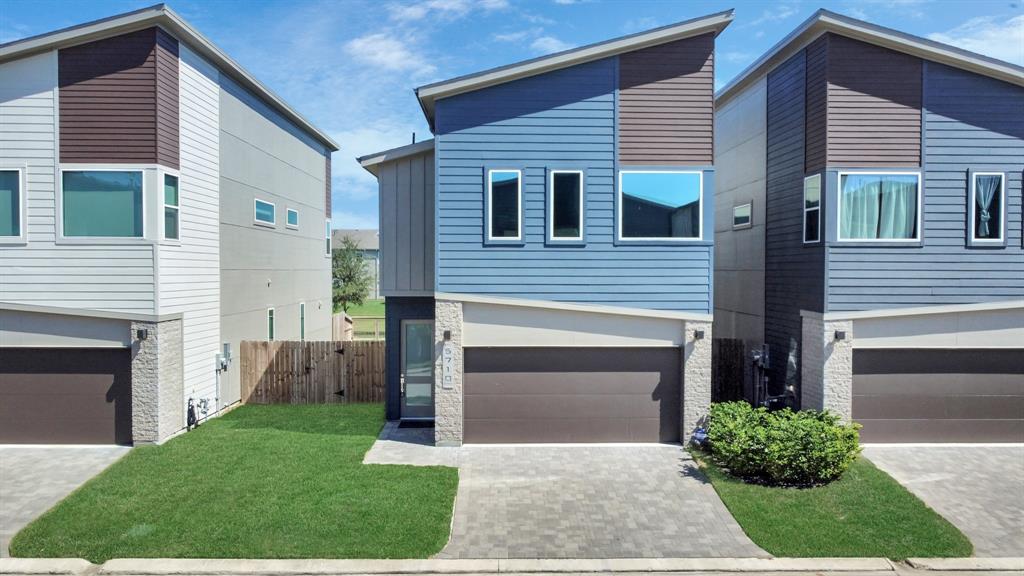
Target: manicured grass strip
pixel 864 513
pixel 368 308
pixel 259 482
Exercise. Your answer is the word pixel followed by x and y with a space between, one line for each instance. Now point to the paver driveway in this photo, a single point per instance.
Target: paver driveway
pixel 600 501
pixel 980 489
pixel 34 478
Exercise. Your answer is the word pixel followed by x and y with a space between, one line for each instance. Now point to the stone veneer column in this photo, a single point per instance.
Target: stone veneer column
pixel 826 365
pixel 696 396
pixel 158 409
pixel 448 407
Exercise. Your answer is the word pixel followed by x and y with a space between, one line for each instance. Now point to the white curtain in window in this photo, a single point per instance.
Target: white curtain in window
pixel 860 206
pixel 985 188
pixel 899 208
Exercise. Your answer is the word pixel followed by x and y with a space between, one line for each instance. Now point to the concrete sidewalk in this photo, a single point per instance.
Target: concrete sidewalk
pixel 560 567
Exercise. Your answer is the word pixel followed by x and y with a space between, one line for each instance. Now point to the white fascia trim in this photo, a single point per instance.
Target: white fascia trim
pixel 89 313
pixel 371 161
pixel 429 93
pixel 592 308
pixel 824 21
pixel 922 310
pixel 159 15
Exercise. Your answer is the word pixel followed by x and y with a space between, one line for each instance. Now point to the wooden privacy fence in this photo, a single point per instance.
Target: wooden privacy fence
pixel 312 372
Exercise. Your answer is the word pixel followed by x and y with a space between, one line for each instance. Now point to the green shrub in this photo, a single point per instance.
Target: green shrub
pixel 783 447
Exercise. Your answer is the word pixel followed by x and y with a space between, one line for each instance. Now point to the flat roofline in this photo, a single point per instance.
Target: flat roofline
pixel 159 15
pixel 429 93
pixel 372 162
pixel 824 21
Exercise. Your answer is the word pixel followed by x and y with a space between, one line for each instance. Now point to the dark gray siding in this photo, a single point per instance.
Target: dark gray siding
pixel 874 105
pixel 119 100
pixel 399 309
pixel 794 272
pixel 971 123
pixel 666 103
pixel 407 225
pixel 816 113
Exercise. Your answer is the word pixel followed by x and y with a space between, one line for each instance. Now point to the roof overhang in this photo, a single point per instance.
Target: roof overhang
pixel 824 21
pixel 162 16
pixel 430 93
pixel 372 162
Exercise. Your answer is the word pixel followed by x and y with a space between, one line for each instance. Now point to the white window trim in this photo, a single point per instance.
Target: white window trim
pixel 271 317
pixel 302 321
pixel 803 202
pixel 104 239
pixel 161 175
pixel 750 223
pixel 259 222
pixel 289 225
pixel 551 203
pixel 1002 209
pixel 328 239
pixel 700 207
pixel 839 208
pixel 22 237
pixel 519 206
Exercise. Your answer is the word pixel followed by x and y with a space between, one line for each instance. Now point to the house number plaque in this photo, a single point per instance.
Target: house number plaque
pixel 447 365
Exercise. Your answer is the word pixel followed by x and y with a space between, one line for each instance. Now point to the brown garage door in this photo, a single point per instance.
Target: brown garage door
pixel 921 395
pixel 571 395
pixel 65 396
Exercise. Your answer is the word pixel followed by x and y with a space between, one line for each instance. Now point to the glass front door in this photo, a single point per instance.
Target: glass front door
pixel 417 376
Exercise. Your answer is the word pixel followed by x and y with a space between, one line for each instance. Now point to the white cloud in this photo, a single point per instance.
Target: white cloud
pixel 776 14
pixel 385 50
pixel 443 9
pixel 357 220
pixel 516 36
pixel 549 44
pixel 988 35
pixel 494 4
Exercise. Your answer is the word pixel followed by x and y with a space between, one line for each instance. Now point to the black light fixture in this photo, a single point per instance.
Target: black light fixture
pixel 142 334
pixel 698 334
pixel 447 335
pixel 840 335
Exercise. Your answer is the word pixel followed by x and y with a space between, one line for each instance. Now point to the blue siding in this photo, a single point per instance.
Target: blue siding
pixel 398 309
pixel 971 122
pixel 565 119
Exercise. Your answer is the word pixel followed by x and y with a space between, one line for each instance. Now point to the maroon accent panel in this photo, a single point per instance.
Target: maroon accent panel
pixel 666 103
pixel 874 105
pixel 816 105
pixel 119 100
pixel 65 396
pixel 327 194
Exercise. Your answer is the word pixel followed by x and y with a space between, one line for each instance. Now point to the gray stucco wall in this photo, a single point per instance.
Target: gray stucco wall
pixel 269 267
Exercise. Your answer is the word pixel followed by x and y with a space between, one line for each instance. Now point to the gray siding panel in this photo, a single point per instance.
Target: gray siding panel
pixel 971 123
pixel 794 271
pixel 817 98
pixel 874 105
pixel 407 226
pixel 666 103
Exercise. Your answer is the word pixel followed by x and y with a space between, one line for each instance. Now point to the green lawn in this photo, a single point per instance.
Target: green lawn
pixel 260 482
pixel 368 308
pixel 864 513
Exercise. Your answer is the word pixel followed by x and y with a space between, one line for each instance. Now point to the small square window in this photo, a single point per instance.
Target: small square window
pixel 812 209
pixel 265 212
pixel 987 206
pixel 171 207
pixel 741 216
pixel 293 218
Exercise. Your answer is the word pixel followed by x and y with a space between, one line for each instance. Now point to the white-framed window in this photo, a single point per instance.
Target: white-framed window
pixel 103 203
pixel 504 204
pixel 172 207
pixel 292 220
pixel 987 206
pixel 812 209
pixel 565 205
pixel 302 321
pixel 741 216
pixel 879 206
pixel 12 204
pixel 264 213
pixel 663 205
pixel 270 324
pixel 327 238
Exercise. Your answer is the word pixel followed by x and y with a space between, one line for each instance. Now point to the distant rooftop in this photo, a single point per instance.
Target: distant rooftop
pixel 367 239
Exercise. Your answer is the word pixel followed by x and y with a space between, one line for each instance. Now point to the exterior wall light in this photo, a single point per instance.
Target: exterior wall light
pixel 698 334
pixel 447 335
pixel 840 335
pixel 142 334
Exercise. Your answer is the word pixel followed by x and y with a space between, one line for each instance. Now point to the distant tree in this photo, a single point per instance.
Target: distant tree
pixel 352 279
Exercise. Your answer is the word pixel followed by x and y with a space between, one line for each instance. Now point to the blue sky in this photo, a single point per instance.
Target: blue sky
pixel 350 65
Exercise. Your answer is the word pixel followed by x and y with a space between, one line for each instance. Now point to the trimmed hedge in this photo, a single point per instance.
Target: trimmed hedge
pixel 784 447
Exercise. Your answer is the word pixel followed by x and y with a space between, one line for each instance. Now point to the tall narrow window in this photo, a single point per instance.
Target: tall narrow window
pixel 660 205
pixel 264 212
pixel 812 209
pixel 565 205
pixel 504 194
pixel 302 320
pixel 171 219
pixel 987 201
pixel 327 238
pixel 270 324
pixel 879 206
pixel 102 204
pixel 10 203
